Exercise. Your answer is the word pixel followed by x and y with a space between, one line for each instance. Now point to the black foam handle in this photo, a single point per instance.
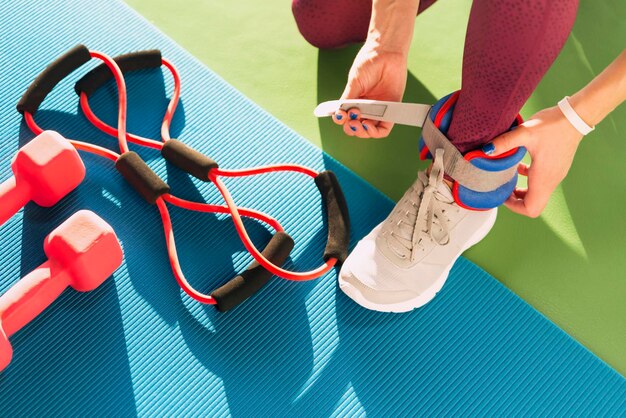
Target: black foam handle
pixel 140 60
pixel 141 177
pixel 188 159
pixel 255 277
pixel 50 77
pixel 337 216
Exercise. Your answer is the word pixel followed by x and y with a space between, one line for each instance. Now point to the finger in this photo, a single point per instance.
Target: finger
pixel 522 169
pixel 362 129
pixel 356 128
pixel 532 201
pixel 370 127
pixel 382 130
pixel 353 89
pixel 512 203
pixel 515 205
pixel 349 129
pixel 354 113
pixel 516 202
pixel 506 142
pixel 537 197
pixel 340 117
pixel 520 193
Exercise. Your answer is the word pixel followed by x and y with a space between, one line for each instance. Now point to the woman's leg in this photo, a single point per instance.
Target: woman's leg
pixel 509 46
pixel 336 23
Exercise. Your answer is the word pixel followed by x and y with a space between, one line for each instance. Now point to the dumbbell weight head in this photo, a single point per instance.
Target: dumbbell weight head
pixel 49 166
pixel 82 252
pixel 86 247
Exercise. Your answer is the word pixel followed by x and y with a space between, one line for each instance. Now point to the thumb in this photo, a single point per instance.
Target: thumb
pixel 506 142
pixel 353 89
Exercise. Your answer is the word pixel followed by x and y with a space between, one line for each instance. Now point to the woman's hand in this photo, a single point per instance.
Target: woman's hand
pixel 551 141
pixel 375 75
pixel 379 69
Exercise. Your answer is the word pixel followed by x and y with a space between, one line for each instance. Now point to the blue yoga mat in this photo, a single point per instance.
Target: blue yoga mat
pixel 139 346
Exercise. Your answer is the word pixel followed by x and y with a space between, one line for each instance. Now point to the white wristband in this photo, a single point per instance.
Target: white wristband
pixel 573 118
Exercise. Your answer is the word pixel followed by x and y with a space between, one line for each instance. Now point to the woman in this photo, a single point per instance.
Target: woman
pixel 509 46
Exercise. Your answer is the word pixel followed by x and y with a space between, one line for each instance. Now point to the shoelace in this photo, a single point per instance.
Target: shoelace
pixel 425 211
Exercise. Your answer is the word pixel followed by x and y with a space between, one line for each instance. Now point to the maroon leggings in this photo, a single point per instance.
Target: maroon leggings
pixel 509 46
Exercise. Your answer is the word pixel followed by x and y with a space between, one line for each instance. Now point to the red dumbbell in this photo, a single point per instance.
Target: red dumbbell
pixel 82 252
pixel 44 171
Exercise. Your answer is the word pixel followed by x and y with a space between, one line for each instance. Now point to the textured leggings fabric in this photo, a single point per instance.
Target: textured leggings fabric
pixel 509 46
pixel 329 24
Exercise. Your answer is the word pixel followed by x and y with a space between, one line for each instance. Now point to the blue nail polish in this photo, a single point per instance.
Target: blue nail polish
pixel 489 148
pixel 353 128
pixel 364 126
pixel 338 116
pixel 353 116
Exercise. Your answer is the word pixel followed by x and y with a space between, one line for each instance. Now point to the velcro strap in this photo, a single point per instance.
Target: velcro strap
pixel 457 167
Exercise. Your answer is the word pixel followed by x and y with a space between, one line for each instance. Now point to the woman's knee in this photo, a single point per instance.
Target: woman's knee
pixel 332 24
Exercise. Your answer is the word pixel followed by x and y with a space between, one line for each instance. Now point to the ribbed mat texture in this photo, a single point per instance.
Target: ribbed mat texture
pixel 139 346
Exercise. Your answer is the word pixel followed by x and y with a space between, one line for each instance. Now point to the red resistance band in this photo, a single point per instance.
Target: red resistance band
pixel 214 175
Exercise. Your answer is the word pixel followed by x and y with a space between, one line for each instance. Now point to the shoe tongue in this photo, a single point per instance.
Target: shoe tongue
pixel 444 191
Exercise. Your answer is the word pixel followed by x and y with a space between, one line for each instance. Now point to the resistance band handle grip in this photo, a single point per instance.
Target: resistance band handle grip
pixel 50 77
pixel 188 159
pixel 255 276
pixel 337 216
pixel 141 177
pixel 140 60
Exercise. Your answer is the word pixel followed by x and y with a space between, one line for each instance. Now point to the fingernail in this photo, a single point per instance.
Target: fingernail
pixel 338 116
pixel 489 148
pixel 364 126
pixel 353 116
pixel 353 128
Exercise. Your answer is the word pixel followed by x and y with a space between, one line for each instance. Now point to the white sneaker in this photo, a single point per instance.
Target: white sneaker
pixel 405 260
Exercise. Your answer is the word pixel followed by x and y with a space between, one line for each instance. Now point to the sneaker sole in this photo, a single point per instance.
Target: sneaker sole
pixel 425 297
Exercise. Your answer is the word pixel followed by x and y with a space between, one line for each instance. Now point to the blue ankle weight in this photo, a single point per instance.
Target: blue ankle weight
pixel 465 197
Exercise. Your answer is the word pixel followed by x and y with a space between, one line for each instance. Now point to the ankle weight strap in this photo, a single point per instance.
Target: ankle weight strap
pixel 480 181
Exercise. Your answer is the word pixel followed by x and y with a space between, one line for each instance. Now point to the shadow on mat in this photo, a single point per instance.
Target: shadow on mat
pixel 384 164
pixel 147 102
pixel 94 346
pixel 206 245
pixel 261 351
pixel 52 370
pixel 234 345
pixel 582 230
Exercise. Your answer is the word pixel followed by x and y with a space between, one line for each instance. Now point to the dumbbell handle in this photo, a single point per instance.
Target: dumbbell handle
pixel 13 197
pixel 31 295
